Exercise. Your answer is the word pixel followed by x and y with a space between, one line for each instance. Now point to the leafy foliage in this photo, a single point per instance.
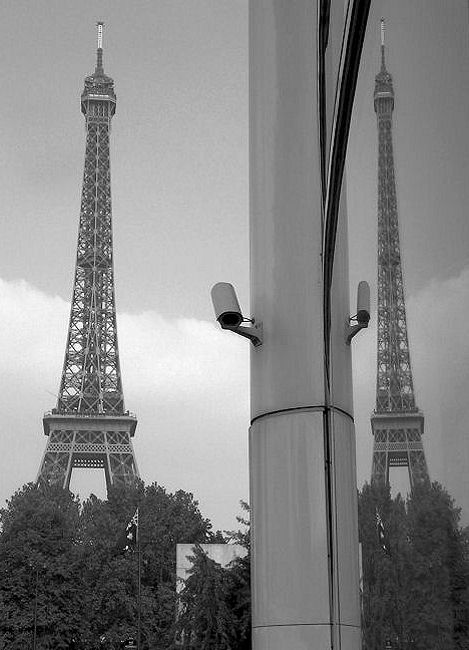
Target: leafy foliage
pixel 204 621
pixel 416 593
pixel 215 603
pixel 38 547
pixel 62 573
pixel 239 595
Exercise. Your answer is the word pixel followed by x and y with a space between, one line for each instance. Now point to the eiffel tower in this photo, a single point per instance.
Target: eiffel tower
pixel 397 424
pixel 90 428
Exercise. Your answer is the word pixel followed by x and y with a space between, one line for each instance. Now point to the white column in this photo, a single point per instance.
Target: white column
pixel 304 581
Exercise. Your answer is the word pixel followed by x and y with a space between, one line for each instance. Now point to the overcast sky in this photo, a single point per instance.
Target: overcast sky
pixel 180 209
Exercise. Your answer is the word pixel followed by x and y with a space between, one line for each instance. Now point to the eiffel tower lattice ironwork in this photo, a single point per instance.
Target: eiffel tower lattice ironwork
pixel 90 428
pixel 397 424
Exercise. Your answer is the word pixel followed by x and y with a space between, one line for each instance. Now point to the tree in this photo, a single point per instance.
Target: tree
pixel 204 620
pixel 87 588
pixel 459 563
pixel 109 575
pixel 239 591
pixel 39 568
pixel 383 570
pixel 415 591
pixel 439 570
pixel 165 519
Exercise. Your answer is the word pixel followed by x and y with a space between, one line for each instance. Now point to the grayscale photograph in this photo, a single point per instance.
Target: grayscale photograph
pixel 234 293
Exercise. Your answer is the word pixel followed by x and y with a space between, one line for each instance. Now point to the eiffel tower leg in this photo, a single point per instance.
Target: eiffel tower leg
pixel 418 471
pixel 380 468
pixel 121 462
pixel 123 470
pixel 56 463
pixel 69 470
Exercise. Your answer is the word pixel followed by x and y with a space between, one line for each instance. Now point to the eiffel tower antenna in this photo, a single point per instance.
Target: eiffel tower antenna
pixel 99 49
pixel 89 427
pixel 397 424
pixel 383 31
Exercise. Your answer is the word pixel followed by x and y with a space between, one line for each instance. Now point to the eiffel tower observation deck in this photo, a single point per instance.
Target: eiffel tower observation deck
pixel 89 427
pixel 397 424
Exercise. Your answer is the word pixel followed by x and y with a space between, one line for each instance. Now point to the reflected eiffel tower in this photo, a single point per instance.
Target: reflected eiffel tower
pixel 397 424
pixel 89 428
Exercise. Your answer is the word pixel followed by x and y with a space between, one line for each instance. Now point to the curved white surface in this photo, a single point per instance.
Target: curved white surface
pixel 291 573
pixel 290 568
pixel 285 206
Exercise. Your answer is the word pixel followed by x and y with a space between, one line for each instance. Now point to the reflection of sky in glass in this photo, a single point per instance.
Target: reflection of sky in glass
pixel 426 53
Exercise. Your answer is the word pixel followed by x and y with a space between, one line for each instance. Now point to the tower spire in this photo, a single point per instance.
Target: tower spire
pixel 89 427
pixel 397 424
pixel 99 52
pixel 383 64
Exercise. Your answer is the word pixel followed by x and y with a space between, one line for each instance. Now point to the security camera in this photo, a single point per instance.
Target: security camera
pixel 226 306
pixel 362 317
pixel 363 303
pixel 228 313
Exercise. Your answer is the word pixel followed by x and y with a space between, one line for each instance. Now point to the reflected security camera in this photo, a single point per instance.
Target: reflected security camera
pixel 363 303
pixel 228 313
pixel 362 317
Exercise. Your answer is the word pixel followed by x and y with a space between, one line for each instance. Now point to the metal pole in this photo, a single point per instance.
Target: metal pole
pixel 139 603
pixel 35 608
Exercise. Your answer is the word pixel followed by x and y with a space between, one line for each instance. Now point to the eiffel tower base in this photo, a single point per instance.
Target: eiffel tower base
pixel 88 442
pixel 398 443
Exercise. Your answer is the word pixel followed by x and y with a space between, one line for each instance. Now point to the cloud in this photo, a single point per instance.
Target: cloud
pixel 439 316
pixel 30 324
pixel 165 358
pixel 186 379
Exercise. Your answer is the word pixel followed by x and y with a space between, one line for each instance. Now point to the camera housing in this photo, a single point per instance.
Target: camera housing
pixel 226 306
pixel 228 313
pixel 362 317
pixel 363 302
